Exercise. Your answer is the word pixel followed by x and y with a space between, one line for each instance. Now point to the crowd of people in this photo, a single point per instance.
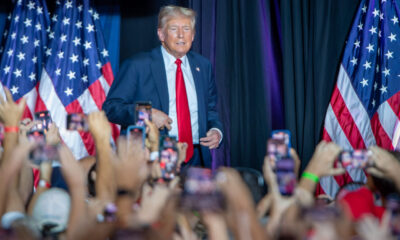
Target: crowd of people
pixel 120 194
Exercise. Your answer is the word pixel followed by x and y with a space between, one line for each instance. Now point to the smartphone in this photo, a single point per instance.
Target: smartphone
pixel 276 149
pixel 44 153
pixel 36 135
pixel 45 119
pixel 142 112
pixel 200 192
pixel 359 158
pixel 168 157
pixel 136 134
pixel 393 206
pixel 286 176
pixel 284 135
pixel 77 122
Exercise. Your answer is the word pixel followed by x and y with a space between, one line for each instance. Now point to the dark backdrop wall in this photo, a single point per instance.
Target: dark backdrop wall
pixel 139 25
pixel 313 37
pixel 237 36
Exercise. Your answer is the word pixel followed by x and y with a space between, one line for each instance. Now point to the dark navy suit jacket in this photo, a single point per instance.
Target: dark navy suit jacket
pixel 143 78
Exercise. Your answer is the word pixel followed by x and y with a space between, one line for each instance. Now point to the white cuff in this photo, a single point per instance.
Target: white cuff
pixel 220 133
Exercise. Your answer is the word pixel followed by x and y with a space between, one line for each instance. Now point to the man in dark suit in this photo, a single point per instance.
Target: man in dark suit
pixel 178 82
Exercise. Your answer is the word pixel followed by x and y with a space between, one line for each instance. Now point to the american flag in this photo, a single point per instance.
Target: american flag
pixel 364 108
pixel 77 74
pixel 22 51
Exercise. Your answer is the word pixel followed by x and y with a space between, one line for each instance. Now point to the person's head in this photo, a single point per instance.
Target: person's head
pixel 176 29
pixel 51 211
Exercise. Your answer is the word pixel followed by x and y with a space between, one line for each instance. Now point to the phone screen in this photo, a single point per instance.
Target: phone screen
pixel 168 157
pixel 286 176
pixel 77 122
pixel 136 134
pixel 44 153
pixel 200 191
pixel 282 135
pixel 355 159
pixel 142 112
pixel 36 135
pixel 44 118
pixel 276 149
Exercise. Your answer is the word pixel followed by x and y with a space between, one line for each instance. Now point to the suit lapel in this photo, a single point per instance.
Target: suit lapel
pixel 198 82
pixel 160 78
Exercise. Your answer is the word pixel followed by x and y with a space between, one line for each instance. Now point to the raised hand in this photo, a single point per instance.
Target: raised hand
pixel 99 126
pixel 11 112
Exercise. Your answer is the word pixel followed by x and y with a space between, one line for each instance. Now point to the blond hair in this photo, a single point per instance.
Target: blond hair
pixel 171 11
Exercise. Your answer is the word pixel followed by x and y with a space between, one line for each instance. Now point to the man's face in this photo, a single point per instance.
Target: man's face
pixel 177 36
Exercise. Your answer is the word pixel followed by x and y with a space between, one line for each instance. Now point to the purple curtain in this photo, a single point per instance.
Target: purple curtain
pixel 242 40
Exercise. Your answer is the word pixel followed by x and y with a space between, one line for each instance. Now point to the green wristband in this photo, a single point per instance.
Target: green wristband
pixel 310 176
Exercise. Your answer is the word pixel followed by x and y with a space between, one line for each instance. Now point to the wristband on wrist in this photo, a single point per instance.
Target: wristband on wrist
pixel 44 183
pixel 13 129
pixel 310 176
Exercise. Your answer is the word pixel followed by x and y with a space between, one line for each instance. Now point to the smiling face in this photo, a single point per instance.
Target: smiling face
pixel 177 36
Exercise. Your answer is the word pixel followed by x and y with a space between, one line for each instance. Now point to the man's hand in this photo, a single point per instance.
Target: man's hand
pixel 212 139
pixel 160 119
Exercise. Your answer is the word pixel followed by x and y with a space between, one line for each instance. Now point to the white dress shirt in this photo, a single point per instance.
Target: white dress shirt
pixel 170 69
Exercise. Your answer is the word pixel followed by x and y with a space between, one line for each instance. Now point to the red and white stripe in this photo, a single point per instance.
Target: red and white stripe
pixel 347 123
pixel 81 144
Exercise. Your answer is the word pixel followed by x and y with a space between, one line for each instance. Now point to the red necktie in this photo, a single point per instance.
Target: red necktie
pixel 182 112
